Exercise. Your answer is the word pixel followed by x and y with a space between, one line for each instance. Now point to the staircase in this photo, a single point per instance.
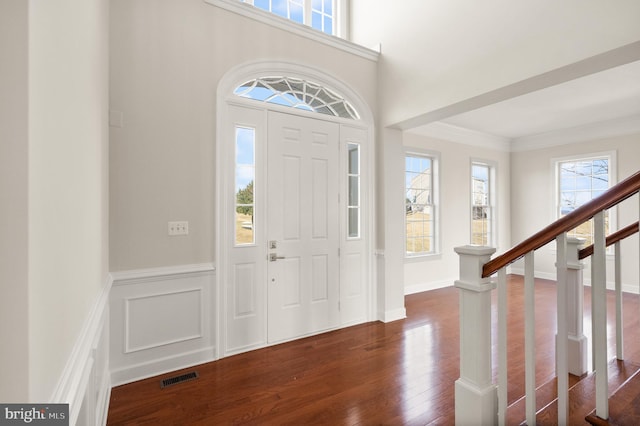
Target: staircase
pixel 570 398
pixel 624 386
pixel 624 405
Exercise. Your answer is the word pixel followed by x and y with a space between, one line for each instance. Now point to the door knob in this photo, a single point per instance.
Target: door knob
pixel 274 256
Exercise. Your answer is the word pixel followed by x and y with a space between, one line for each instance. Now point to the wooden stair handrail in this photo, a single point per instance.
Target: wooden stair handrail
pixel 611 239
pixel 615 195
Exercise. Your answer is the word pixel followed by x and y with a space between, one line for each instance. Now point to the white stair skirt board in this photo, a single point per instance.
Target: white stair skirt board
pixel 161 320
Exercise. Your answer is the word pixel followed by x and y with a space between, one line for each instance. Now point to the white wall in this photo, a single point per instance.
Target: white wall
pixel 438 53
pixel 167 58
pixel 533 179
pixel 441 270
pixel 68 139
pixel 13 200
pixel 54 194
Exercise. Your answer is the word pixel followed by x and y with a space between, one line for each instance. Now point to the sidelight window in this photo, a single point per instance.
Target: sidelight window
pixel 245 174
pixel 353 177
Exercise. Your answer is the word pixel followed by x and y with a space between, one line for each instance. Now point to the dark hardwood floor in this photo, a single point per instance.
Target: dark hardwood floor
pixel 400 373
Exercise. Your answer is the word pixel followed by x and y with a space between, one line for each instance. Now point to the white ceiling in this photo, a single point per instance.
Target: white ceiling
pixel 605 99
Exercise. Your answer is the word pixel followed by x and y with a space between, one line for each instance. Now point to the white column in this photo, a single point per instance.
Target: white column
pixel 391 209
pixel 475 395
pixel 578 344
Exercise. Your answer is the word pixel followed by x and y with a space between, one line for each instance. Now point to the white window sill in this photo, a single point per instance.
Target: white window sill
pixel 269 18
pixel 422 257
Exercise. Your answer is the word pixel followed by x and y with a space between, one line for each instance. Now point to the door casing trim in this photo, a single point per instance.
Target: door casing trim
pixel 225 97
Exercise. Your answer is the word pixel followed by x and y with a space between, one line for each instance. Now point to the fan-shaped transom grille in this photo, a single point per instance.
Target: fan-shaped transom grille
pixel 297 93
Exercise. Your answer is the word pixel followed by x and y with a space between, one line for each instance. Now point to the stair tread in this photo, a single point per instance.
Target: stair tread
pixel 581 396
pixel 624 404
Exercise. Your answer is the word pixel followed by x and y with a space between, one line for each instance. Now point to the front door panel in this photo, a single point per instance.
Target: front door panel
pixel 303 222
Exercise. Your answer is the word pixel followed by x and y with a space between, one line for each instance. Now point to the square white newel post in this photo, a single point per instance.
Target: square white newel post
pixel 577 344
pixel 476 397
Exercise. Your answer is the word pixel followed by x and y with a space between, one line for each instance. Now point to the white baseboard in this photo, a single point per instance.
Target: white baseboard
pixel 85 382
pixel 161 320
pixel 434 285
pixel 536 274
pixel 160 366
pixel 627 288
pixel 393 315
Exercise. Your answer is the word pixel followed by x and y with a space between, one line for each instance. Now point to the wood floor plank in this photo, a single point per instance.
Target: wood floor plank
pixel 399 373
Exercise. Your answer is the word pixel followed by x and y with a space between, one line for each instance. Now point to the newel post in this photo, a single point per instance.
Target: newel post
pixel 476 400
pixel 577 343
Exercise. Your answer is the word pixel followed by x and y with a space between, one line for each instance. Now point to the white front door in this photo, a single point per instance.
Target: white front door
pixel 302 226
pixel 283 192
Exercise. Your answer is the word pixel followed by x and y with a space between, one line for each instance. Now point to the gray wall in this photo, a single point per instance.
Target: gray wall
pixel 167 58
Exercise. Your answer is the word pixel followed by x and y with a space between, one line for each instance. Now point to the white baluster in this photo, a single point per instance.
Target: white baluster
pixel 618 278
pixel 502 347
pixel 594 329
pixel 530 339
pixel 475 394
pixel 599 313
pixel 562 368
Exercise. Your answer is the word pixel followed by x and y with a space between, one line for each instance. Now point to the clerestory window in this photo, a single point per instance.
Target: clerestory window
pixel 297 93
pixel 318 14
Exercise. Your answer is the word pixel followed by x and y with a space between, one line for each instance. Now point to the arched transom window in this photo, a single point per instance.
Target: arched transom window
pixel 297 93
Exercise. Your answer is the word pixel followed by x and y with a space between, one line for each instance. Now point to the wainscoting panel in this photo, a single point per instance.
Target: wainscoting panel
pixel 161 320
pixel 353 297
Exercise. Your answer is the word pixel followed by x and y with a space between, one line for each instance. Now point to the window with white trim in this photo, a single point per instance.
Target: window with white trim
pixel 482 204
pixel 421 195
pixel 297 93
pixel 579 180
pixel 245 175
pixel 353 190
pixel 318 14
